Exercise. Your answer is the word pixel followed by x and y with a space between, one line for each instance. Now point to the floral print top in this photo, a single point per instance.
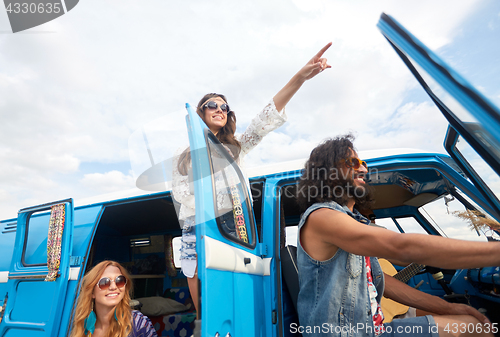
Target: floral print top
pixel 266 121
pixel 377 315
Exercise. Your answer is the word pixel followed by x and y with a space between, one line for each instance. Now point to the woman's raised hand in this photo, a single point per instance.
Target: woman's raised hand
pixel 316 65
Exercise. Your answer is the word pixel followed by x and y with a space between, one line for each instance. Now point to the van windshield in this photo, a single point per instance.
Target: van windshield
pixel 453 219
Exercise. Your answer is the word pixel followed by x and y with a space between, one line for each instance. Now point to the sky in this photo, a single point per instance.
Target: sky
pixel 74 90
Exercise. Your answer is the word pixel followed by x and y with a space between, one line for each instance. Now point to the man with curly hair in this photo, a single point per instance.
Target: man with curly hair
pixel 341 282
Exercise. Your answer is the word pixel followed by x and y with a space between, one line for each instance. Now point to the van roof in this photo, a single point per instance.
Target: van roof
pixel 257 171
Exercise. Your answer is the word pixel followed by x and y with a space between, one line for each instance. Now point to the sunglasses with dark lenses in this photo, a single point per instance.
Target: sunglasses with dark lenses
pixel 105 282
pixel 213 105
pixel 354 163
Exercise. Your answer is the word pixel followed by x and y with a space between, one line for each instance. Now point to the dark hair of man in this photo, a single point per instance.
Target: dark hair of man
pixel 322 178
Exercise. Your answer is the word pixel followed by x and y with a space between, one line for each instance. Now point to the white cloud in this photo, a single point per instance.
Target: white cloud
pixel 74 89
pixel 108 182
pixel 4 195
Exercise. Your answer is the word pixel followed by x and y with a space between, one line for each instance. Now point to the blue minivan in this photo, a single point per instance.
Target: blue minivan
pixel 248 283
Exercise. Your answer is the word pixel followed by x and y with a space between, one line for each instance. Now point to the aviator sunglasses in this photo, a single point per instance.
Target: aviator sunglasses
pixel 213 105
pixel 105 282
pixel 354 163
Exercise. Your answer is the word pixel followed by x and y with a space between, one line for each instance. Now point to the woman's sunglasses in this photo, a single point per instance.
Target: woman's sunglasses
pixel 213 105
pixel 354 163
pixel 105 282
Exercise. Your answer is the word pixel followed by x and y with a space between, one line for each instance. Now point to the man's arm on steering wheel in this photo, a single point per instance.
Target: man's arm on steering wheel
pixel 403 293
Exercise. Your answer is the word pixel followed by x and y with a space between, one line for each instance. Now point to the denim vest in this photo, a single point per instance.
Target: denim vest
pixel 333 298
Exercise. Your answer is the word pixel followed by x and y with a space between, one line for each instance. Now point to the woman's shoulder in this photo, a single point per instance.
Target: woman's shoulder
pixel 179 150
pixel 136 313
pixel 142 322
pixel 139 316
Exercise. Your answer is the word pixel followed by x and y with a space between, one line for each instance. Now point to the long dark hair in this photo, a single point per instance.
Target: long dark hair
pixel 322 179
pixel 225 134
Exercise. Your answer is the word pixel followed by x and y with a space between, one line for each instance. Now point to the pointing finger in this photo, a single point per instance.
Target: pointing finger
pixel 325 48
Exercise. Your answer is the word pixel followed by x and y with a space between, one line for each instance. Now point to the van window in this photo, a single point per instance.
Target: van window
pixel 407 224
pixel 233 208
pixel 485 172
pixel 35 248
pixel 442 214
pixel 410 225
pixel 387 223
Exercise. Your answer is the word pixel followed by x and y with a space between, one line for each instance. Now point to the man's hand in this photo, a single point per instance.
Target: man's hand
pixel 463 309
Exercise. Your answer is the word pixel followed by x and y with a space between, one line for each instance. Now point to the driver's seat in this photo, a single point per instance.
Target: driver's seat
pixel 290 272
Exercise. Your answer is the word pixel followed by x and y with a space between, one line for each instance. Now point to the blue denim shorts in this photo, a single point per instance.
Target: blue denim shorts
pixel 188 240
pixel 188 247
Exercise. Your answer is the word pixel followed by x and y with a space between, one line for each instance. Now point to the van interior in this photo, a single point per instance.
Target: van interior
pixel 141 236
pixel 405 201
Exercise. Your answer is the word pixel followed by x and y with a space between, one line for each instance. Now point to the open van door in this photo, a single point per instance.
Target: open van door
pixel 473 137
pixel 36 284
pixel 231 270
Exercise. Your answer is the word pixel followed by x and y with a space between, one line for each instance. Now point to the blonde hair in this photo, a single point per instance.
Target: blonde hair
pixel 117 328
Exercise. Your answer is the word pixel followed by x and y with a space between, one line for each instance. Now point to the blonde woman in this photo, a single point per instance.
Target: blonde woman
pixel 103 307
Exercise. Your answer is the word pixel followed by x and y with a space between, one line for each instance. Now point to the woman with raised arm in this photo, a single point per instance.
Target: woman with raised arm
pixel 221 120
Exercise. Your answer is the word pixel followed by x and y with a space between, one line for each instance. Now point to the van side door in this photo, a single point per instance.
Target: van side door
pixel 473 136
pixel 37 285
pixel 233 274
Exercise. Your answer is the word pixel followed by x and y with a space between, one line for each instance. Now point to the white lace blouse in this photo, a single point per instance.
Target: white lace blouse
pixel 267 120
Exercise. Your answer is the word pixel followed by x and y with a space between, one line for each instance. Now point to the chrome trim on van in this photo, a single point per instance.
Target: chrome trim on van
pixel 32 276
